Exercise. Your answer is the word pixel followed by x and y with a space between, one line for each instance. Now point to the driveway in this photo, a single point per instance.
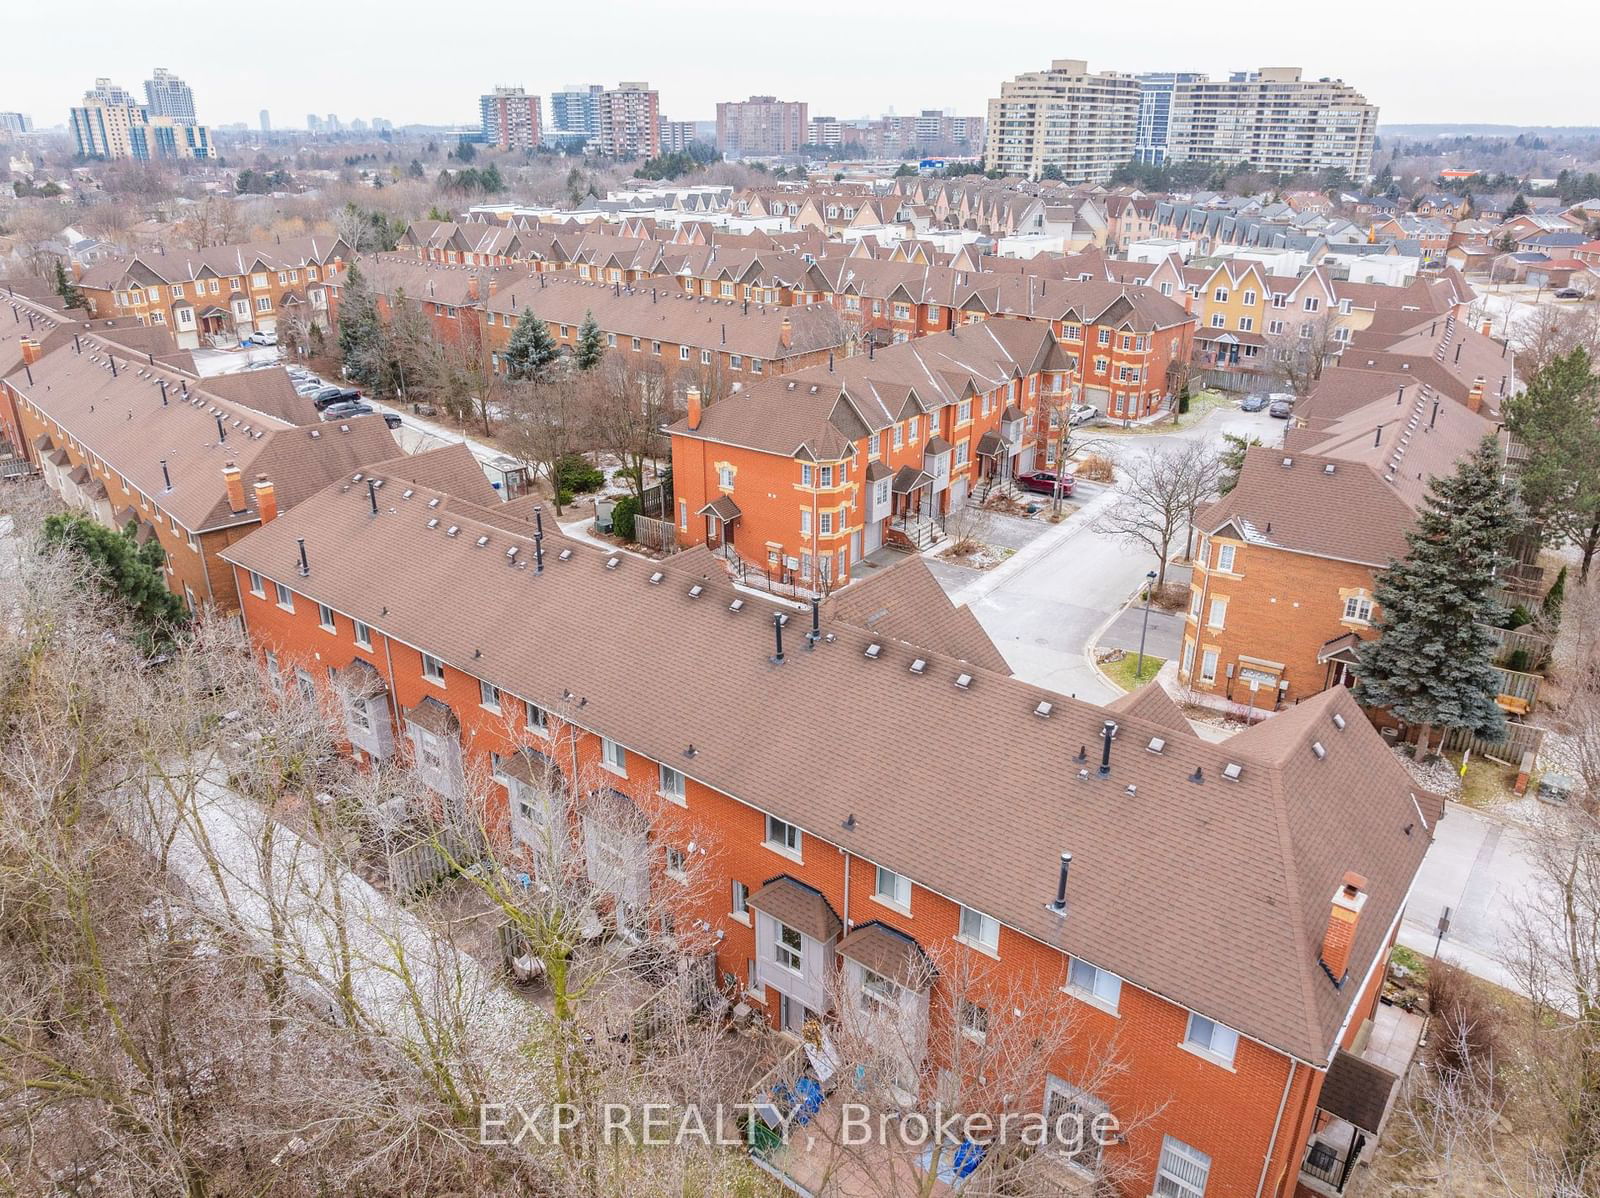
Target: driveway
pixel 1053 599
pixel 1479 868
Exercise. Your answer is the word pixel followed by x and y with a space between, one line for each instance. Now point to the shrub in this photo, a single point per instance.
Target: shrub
pixel 1520 617
pixel 1096 468
pixel 575 474
pixel 622 517
pixel 1519 661
pixel 1471 1028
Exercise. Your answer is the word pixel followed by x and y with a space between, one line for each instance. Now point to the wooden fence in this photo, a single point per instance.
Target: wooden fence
pixel 418 865
pixel 657 534
pixel 1509 642
pixel 1519 739
pixel 1518 691
pixel 693 990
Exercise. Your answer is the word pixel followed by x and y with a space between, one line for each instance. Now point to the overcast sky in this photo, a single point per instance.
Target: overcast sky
pixel 416 61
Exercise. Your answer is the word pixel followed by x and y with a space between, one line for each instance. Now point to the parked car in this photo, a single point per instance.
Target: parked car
pixel 1281 408
pixel 1255 403
pixel 324 396
pixel 392 419
pixel 1043 482
pixel 1082 413
pixel 349 407
pixel 264 338
pixel 1569 293
pixel 307 388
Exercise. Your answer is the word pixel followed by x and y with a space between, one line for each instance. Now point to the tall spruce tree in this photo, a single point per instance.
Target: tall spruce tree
pixel 1558 418
pixel 70 295
pixel 361 347
pixel 591 345
pixel 1431 663
pixel 531 349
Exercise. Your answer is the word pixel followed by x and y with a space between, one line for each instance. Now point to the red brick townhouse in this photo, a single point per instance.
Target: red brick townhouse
pixel 120 434
pixel 738 342
pixel 1229 907
pixel 1282 593
pixel 220 294
pixel 803 476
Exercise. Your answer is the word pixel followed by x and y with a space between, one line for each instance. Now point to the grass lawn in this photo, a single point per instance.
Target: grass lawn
pixel 1122 673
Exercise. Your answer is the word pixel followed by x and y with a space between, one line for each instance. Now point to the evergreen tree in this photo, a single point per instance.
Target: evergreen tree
pixel 1556 418
pixel 1431 663
pixel 130 574
pixel 1518 206
pixel 67 289
pixel 591 344
pixel 531 349
pixel 361 347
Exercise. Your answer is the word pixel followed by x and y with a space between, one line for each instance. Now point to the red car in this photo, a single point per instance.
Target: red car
pixel 1044 482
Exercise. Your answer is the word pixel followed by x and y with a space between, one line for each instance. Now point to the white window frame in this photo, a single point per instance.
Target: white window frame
pixel 739 901
pixel 783 838
pixel 536 719
pixel 672 785
pixel 285 596
pixel 258 586
pixel 325 618
pixel 676 863
pixel 1096 986
pixel 1212 1040
pixel 979 931
pixel 1217 617
pixel 488 695
pixel 1176 1169
pixel 892 889
pixel 363 634
pixel 1225 556
pixel 973 1020
pixel 1208 665
pixel 613 756
pixel 432 669
pixel 1358 609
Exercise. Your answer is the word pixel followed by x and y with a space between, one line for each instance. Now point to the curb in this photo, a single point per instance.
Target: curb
pixel 1093 642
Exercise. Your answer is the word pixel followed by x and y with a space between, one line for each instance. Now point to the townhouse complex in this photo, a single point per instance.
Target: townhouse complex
pixel 121 427
pixel 1087 125
pixel 1282 596
pixel 219 295
pixel 1233 1008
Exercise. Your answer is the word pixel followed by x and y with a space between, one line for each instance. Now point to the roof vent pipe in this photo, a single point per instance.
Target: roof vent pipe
pixel 163 384
pixel 305 566
pixel 1060 905
pixel 113 359
pixel 1108 732
pixel 222 431
pixel 815 634
pixel 777 633
pixel 165 477
pixel 372 492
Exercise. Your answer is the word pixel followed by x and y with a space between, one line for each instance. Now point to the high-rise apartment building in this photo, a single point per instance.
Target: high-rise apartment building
pixel 1065 117
pixel 1273 119
pixel 266 121
pixel 510 119
pixel 1088 125
pixel 313 123
pixel 15 122
pixel 678 136
pixel 1151 138
pixel 167 95
pixel 576 109
pixel 761 125
pixel 109 124
pixel 629 122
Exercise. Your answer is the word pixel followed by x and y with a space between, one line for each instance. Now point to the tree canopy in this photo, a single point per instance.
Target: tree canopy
pixel 1431 663
pixel 531 351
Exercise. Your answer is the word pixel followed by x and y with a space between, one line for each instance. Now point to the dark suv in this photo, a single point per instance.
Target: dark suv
pixel 332 395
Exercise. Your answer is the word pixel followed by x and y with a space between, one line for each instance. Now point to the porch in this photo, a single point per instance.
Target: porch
pixel 1357 1096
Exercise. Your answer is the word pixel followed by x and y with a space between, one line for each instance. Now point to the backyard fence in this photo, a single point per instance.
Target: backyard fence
pixel 418 865
pixel 1519 739
pixel 657 534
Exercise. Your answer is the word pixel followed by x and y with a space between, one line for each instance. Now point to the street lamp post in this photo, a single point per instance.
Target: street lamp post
pixel 1149 593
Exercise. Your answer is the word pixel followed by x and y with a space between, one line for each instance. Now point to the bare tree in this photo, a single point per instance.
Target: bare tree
pixel 1157 493
pixel 1297 356
pixel 1549 332
pixel 625 409
pixel 214 221
pixel 542 424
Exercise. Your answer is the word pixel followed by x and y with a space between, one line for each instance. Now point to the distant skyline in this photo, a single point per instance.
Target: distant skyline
pixel 849 62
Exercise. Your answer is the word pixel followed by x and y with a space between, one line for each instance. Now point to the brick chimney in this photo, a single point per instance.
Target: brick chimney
pixel 786 333
pixel 1340 937
pixel 494 283
pixel 266 499
pixel 472 288
pixel 234 481
pixel 692 399
pixel 1475 396
pixel 32 351
pixel 1487 325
